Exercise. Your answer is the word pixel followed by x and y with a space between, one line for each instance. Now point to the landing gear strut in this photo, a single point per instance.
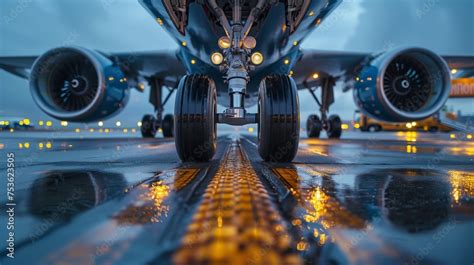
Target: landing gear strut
pixel 150 123
pixel 333 124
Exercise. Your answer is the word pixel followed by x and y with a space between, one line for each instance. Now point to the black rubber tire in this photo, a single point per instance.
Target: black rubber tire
pixel 313 126
pixel 148 127
pixel 195 125
pixel 374 128
pixel 334 127
pixel 279 119
pixel 167 126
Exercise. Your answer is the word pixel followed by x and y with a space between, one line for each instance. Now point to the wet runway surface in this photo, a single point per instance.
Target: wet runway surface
pixel 383 198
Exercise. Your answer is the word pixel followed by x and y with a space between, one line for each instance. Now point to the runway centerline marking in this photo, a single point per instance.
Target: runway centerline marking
pixel 236 222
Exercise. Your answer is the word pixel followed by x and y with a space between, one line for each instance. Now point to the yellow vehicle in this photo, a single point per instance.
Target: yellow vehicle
pixel 431 124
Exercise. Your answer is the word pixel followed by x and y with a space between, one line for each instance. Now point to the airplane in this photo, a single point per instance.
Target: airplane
pixel 238 53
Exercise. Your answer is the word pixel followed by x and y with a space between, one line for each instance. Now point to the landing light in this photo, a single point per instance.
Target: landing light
pixel 257 58
pixel 217 58
pixel 454 71
pixel 315 76
pixel 224 43
pixel 250 42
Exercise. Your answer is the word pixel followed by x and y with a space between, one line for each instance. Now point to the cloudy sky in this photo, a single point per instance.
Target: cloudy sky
pixel 31 27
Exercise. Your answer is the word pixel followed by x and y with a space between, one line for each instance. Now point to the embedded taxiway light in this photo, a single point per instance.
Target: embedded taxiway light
pixel 408 125
pixel 139 124
pixel 251 130
pixel 111 78
pixel 469 136
pixel 454 71
pixel 315 76
pixel 224 42
pixel 286 61
pixel 193 61
pixel 344 126
pixel 118 124
pixel 295 43
pixel 64 123
pixel 100 123
pixel 26 121
pixel 77 130
pixel 41 123
pixel 184 44
pixel 49 123
pixel 217 58
pixel 311 13
pixel 256 58
pixel 452 136
pixel 250 42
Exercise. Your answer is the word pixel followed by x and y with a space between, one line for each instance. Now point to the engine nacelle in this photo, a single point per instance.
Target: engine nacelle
pixel 77 84
pixel 403 85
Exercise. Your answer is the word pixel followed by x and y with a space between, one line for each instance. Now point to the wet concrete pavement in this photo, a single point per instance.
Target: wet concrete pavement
pixel 385 198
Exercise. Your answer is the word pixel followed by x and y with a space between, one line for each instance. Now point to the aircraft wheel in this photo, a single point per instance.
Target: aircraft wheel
pixel 167 125
pixel 148 127
pixel 278 128
pixel 334 128
pixel 313 126
pixel 195 125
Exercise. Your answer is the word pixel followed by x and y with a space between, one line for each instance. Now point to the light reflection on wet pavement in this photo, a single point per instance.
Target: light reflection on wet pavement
pixel 390 199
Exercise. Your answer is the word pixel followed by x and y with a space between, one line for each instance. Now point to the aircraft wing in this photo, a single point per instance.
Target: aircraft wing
pixel 342 65
pixel 163 64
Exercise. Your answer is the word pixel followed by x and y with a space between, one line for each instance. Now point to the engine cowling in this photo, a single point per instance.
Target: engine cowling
pixel 77 84
pixel 403 85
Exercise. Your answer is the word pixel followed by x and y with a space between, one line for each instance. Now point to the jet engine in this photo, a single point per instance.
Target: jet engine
pixel 77 84
pixel 403 85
